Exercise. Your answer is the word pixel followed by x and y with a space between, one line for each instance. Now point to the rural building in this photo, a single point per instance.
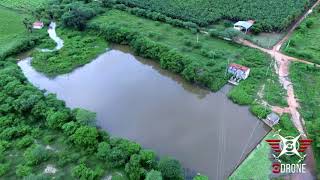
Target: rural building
pixel 241 72
pixel 243 25
pixel 273 119
pixel 38 25
pixel 238 72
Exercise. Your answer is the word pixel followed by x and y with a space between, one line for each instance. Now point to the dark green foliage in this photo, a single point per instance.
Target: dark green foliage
pixel 86 137
pixel 170 169
pixel 4 168
pixel 83 172
pixel 103 150
pixel 154 175
pixel 272 15
pixel 23 170
pixel 85 117
pixel 133 167
pixel 35 155
pixel 57 119
pixel 79 49
pixel 77 15
pixel 25 142
pixel 148 159
pixel 70 127
pixel 260 111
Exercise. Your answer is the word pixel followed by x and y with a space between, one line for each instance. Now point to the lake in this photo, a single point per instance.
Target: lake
pixel 135 99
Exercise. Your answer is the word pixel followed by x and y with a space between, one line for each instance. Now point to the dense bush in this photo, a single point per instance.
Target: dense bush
pixel 35 155
pixel 23 170
pixel 270 15
pixel 260 111
pixel 83 172
pixel 154 175
pixel 170 169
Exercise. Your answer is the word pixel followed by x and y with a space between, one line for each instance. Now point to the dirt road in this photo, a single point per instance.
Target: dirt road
pixel 282 69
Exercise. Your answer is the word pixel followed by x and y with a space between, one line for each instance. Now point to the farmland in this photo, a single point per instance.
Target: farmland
pixel 24 5
pixel 269 15
pixel 304 42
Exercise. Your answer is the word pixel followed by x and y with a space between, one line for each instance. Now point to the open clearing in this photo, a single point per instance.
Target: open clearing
pixel 11 29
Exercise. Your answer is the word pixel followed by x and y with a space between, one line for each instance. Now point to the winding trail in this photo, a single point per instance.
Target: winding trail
pixel 282 69
pixel 53 35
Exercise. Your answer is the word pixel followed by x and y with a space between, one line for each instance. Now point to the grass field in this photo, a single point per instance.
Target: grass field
pixel 257 165
pixel 304 43
pixel 306 82
pixel 24 5
pixel 12 29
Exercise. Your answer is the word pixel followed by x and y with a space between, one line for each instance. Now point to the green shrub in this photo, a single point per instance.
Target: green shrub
pixel 35 155
pixel 154 175
pixel 25 142
pixel 23 170
pixel 260 111
pixel 4 168
pixel 170 169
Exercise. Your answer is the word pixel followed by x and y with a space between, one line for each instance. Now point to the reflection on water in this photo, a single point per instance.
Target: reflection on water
pixel 135 99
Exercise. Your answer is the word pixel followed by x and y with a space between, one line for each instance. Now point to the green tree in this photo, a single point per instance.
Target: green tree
pixel 83 172
pixel 4 168
pixel 86 137
pixel 148 159
pixel 170 169
pixel 58 118
pixel 103 150
pixel 133 168
pixel 23 170
pixel 154 175
pixel 85 117
pixel 35 155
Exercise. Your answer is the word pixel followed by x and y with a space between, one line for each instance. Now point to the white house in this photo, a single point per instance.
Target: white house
pixel 38 25
pixel 239 72
pixel 243 25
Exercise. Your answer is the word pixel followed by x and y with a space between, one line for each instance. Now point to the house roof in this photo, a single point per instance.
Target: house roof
pixel 240 67
pixel 38 23
pixel 245 24
pixel 273 117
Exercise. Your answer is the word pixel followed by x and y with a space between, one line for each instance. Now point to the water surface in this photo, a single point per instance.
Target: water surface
pixel 137 100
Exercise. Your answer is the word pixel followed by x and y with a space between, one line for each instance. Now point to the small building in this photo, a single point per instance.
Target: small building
pixel 273 119
pixel 239 71
pixel 243 25
pixel 38 25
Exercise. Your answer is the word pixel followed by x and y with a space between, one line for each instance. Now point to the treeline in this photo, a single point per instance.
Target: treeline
pixel 26 114
pixel 269 15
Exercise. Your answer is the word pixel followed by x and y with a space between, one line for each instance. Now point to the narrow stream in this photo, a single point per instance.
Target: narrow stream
pixel 135 99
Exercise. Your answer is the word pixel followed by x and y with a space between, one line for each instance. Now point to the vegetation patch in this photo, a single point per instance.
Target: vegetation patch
pixel 306 82
pixel 24 5
pixel 269 15
pixel 79 49
pixel 304 42
pixel 13 34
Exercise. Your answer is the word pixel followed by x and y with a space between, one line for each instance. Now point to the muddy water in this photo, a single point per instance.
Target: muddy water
pixel 137 100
